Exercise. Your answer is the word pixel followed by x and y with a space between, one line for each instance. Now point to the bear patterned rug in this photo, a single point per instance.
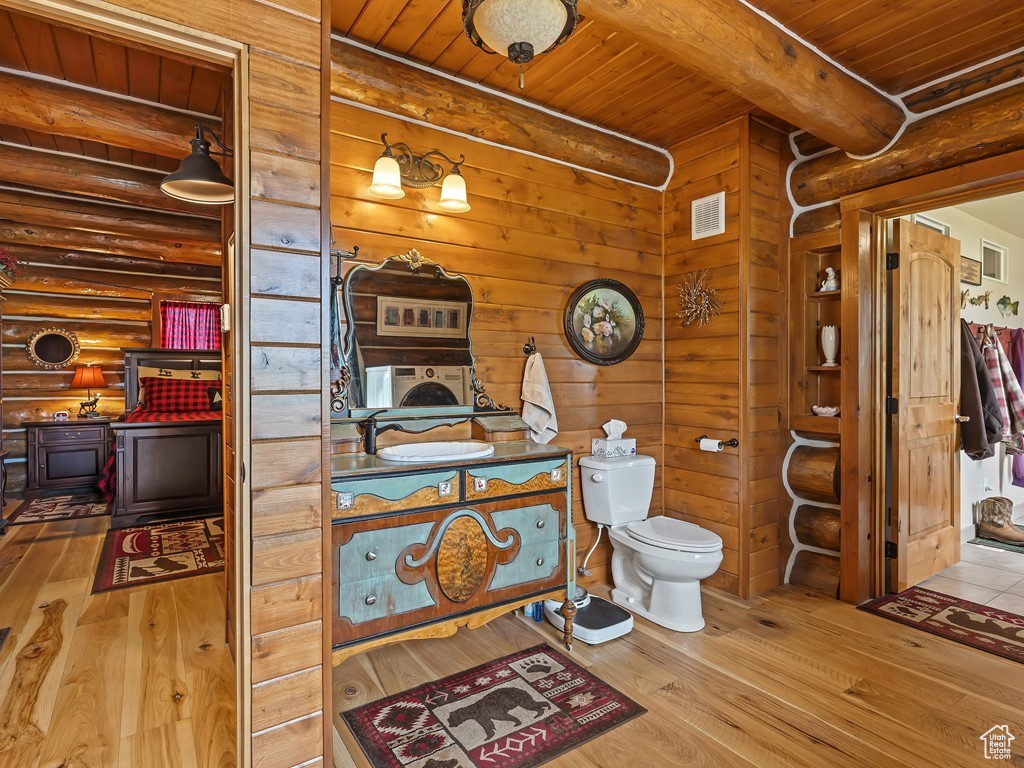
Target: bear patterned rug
pixel 969 623
pixel 159 552
pixel 60 505
pixel 516 712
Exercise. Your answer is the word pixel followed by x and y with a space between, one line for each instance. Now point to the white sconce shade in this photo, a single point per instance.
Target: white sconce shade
pixel 500 23
pixel 453 194
pixel 387 179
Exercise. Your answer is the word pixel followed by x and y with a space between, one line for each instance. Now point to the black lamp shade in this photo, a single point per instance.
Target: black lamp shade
pixel 199 179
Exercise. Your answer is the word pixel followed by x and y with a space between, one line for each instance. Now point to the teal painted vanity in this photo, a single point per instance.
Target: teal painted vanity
pixel 420 550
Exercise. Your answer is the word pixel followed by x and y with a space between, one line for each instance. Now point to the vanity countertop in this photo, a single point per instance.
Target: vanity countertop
pixel 346 464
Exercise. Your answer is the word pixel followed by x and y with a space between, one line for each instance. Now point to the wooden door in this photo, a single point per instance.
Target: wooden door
pixel 926 385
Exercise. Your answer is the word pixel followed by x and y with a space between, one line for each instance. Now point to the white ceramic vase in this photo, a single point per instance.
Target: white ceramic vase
pixel 830 344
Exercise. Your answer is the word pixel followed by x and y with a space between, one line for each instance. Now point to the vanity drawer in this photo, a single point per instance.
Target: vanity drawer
pixel 380 597
pixel 535 523
pixel 542 561
pixel 375 552
pixel 493 481
pixel 396 493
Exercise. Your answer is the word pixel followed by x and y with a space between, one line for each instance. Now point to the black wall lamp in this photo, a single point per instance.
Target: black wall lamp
pixel 199 179
pixel 398 166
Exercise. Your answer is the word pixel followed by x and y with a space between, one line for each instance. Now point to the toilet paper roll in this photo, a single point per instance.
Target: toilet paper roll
pixel 707 444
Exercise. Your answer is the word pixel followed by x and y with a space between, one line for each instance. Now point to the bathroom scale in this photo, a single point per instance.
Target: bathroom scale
pixel 597 620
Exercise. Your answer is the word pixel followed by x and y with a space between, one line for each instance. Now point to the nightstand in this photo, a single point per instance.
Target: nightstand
pixel 66 454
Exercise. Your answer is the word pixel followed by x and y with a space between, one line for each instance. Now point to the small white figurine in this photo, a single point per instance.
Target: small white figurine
pixel 831 281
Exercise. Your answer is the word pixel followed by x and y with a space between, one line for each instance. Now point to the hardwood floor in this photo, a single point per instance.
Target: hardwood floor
pixel 789 679
pixel 132 678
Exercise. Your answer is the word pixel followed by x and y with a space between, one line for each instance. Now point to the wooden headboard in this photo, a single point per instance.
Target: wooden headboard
pixel 178 359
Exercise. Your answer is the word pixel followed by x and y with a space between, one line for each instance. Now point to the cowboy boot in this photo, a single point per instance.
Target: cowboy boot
pixel 995 521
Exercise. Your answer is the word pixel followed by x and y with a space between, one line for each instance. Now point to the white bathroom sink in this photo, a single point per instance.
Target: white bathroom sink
pixel 419 453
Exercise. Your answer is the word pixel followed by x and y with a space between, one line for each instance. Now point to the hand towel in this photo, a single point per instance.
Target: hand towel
pixel 538 406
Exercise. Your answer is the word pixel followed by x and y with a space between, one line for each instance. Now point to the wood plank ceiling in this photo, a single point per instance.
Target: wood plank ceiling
pixel 601 76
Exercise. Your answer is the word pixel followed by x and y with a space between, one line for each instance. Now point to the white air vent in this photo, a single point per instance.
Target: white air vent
pixel 707 216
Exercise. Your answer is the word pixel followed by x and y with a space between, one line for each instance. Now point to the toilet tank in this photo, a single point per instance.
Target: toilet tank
pixel 617 491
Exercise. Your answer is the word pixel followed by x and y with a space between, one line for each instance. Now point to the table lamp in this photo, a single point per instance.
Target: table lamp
pixel 86 377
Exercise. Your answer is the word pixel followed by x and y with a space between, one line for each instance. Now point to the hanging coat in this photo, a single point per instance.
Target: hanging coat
pixel 1017 363
pixel 979 436
pixel 1014 394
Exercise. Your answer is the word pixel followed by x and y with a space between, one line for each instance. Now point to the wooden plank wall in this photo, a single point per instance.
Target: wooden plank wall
pixel 726 380
pixel 536 231
pixel 105 300
pixel 282 693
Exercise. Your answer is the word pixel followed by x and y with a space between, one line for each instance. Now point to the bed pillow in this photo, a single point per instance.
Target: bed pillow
pixel 153 372
pixel 174 395
pixel 216 401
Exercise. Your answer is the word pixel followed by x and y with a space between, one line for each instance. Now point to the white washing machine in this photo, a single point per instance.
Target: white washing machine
pixel 396 386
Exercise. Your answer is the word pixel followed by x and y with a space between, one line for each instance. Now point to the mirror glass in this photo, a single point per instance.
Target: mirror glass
pixel 405 325
pixel 53 348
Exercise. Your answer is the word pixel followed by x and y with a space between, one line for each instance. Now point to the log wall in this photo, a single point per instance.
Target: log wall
pixel 726 380
pixel 536 231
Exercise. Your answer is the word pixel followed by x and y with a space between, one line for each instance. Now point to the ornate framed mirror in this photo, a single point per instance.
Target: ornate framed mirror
pixel 405 341
pixel 53 348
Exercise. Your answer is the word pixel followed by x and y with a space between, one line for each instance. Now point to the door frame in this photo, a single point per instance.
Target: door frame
pixel 197 44
pixel 863 351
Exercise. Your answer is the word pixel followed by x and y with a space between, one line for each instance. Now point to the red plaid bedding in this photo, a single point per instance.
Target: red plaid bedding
pixel 177 394
pixel 143 415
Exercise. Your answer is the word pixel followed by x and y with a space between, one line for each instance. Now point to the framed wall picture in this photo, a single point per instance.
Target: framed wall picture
pixel 400 316
pixel 970 271
pixel 604 322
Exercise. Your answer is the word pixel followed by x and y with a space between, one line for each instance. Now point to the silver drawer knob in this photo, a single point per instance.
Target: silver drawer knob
pixel 540 561
pixel 371 555
pixel 540 523
pixel 371 599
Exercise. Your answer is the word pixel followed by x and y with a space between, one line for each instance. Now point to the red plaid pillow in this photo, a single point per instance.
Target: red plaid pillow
pixel 170 395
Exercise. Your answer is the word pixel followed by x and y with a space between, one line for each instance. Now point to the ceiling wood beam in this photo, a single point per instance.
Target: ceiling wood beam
pixel 91 178
pixel 363 77
pixel 732 45
pixel 115 245
pixel 61 212
pixel 47 107
pixel 992 125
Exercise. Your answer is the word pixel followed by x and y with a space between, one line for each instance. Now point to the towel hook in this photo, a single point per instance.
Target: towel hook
pixel 530 347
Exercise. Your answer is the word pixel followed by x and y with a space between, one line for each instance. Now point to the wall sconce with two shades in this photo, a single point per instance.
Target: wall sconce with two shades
pixel 398 166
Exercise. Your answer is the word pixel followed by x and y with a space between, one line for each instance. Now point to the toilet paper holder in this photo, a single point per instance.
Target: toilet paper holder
pixel 734 443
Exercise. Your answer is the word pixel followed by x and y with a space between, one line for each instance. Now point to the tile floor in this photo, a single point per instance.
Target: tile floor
pixel 984 575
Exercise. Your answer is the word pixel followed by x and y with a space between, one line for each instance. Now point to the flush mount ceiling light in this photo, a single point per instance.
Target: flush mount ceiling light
pixel 398 166
pixel 519 29
pixel 199 179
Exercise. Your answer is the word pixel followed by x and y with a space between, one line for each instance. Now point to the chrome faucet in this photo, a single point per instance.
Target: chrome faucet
pixel 371 430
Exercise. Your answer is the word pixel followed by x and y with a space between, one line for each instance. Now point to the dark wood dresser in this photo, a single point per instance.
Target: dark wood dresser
pixel 66 454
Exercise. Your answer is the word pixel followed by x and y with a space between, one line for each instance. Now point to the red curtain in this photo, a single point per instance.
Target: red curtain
pixel 189 325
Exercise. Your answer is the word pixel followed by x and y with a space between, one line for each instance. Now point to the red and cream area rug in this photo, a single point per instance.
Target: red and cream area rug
pixel 60 505
pixel 160 552
pixel 979 626
pixel 515 712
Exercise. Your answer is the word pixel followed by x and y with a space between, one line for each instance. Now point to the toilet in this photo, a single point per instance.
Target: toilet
pixel 657 563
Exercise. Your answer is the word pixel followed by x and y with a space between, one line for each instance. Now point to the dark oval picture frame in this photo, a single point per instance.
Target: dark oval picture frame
pixel 604 322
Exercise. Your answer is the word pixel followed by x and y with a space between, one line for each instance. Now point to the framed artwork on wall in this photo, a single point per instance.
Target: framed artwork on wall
pixel 398 316
pixel 970 271
pixel 604 322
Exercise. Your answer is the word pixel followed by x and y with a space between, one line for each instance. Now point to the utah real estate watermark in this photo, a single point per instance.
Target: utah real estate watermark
pixel 997 741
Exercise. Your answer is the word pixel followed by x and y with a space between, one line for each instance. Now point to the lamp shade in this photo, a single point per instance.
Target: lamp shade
pixel 87 377
pixel 504 23
pixel 387 179
pixel 199 179
pixel 453 194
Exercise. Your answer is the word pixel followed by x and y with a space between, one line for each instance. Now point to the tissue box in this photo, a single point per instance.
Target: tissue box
pixel 613 449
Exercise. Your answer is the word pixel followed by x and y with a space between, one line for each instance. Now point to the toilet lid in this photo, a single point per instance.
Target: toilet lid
pixel 669 533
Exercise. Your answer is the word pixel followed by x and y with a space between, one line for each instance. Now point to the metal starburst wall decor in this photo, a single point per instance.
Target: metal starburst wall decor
pixel 698 301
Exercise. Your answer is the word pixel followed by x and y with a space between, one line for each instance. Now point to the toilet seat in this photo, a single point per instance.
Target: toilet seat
pixel 669 533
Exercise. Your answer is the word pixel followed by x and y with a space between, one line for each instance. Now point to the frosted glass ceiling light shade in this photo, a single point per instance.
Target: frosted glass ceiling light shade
pixel 519 29
pixel 387 179
pixel 453 194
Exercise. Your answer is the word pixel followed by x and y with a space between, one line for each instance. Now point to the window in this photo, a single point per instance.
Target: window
pixel 929 223
pixel 993 261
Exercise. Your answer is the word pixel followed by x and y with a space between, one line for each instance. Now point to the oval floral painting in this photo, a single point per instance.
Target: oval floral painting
pixel 604 322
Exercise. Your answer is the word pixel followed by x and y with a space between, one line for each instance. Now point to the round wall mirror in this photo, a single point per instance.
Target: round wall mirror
pixel 53 348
